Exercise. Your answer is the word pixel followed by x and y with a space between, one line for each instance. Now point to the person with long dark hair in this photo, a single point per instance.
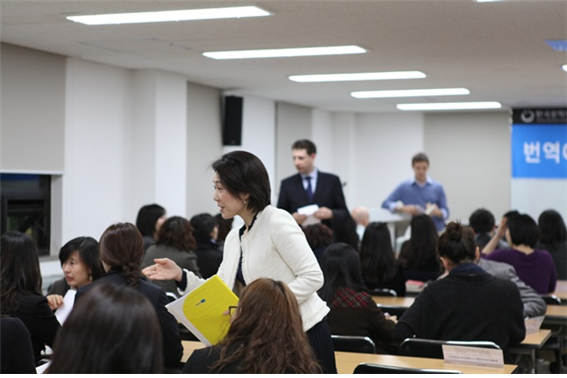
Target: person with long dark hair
pixel 353 311
pixel 467 305
pixel 553 239
pixel 21 293
pixel 149 220
pixel 121 249
pixel 209 252
pixel 380 269
pixel 265 336
pixel 81 265
pixel 115 330
pixel 270 244
pixel 419 254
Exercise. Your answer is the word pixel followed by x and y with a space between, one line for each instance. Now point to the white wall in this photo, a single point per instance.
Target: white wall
pixel 98 137
pixel 470 155
pixel 32 117
pixel 204 145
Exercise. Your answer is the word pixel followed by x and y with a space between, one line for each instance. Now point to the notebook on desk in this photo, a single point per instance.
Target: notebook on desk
pixel 534 324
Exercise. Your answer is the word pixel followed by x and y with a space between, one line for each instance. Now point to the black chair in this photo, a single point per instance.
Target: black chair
pixel 383 292
pixel 356 344
pixel 428 348
pixel 367 368
pixel 551 299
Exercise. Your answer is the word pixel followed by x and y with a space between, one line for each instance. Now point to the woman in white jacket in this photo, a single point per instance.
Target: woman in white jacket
pixel 270 244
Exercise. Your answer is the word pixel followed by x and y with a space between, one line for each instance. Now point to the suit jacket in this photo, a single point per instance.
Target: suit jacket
pixel 172 348
pixel 39 319
pixel 534 305
pixel 328 193
pixel 15 347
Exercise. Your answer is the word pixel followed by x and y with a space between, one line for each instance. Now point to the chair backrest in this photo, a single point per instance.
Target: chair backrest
pixel 368 368
pixel 551 299
pixel 434 348
pixel 383 292
pixel 356 344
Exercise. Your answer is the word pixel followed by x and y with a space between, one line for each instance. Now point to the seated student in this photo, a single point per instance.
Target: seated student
pixel 553 239
pixel 148 221
pixel 20 290
pixel 380 269
pixel 114 331
pixel 535 267
pixel 176 242
pixel 265 336
pixel 319 237
pixel 81 265
pixel 15 348
pixel 353 312
pixel 419 254
pixel 467 305
pixel 121 250
pixel 483 225
pixel 209 252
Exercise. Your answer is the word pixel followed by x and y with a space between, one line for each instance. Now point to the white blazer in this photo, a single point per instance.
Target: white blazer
pixel 275 247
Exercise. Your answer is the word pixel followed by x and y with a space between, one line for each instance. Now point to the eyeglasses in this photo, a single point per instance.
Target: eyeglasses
pixel 231 310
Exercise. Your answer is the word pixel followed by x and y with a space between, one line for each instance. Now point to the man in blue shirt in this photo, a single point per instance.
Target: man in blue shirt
pixel 420 195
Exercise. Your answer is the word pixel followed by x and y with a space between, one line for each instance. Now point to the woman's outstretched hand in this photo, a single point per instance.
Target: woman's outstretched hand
pixel 163 269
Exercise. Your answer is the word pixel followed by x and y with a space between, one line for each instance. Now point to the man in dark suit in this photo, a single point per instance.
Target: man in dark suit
pixel 311 186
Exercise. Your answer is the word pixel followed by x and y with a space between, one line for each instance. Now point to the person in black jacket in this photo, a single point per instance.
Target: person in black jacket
pixel 115 330
pixel 121 250
pixel 15 348
pixel 20 290
pixel 209 252
pixel 467 305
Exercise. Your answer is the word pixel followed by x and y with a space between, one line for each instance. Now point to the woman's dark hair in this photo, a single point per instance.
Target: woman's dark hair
pixel 19 269
pixel 147 218
pixel 421 249
pixel 177 232
pixel 344 231
pixel 318 235
pixel 122 247
pixel 87 248
pixel 241 172
pixel 523 230
pixel 203 226
pixel 551 227
pixel 377 258
pixel 225 225
pixel 113 330
pixel 457 243
pixel 266 335
pixel 341 268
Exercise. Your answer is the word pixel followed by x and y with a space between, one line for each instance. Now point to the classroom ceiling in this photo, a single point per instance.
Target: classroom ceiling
pixel 497 50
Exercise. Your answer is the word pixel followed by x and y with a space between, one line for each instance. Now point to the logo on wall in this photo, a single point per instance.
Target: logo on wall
pixel 539 116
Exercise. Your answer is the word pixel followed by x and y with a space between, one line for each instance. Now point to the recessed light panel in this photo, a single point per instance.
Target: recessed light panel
pixel 411 93
pixel 564 67
pixel 285 53
pixel 164 16
pixel 451 106
pixel 366 76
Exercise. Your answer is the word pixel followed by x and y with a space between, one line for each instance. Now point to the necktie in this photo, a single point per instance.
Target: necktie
pixel 309 189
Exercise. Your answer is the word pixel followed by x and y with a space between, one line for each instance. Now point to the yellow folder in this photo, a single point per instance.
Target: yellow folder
pixel 202 310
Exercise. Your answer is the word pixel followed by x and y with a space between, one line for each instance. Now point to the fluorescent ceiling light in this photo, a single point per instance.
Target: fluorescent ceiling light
pixel 176 15
pixel 564 67
pixel 451 106
pixel 411 93
pixel 358 76
pixel 284 53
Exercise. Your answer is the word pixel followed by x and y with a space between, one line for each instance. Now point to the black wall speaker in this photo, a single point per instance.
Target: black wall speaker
pixel 232 122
